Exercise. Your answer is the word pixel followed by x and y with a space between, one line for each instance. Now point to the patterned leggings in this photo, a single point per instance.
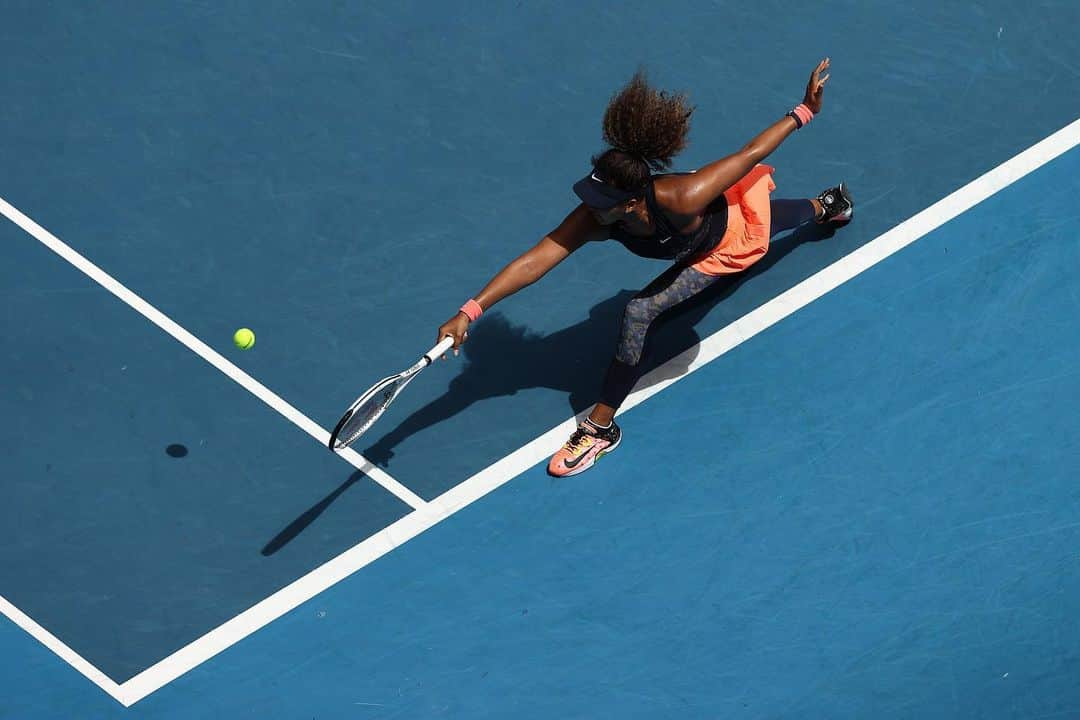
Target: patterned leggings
pixel 669 289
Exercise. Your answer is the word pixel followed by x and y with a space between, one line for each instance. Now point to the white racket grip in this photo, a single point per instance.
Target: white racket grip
pixel 446 343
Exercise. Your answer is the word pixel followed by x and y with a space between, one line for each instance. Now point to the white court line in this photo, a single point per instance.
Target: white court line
pixel 204 351
pixel 537 451
pixel 65 653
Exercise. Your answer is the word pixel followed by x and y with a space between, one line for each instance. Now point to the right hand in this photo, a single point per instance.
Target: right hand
pixel 457 328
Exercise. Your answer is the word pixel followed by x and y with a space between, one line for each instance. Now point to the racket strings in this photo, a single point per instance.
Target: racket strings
pixel 366 414
pixel 363 414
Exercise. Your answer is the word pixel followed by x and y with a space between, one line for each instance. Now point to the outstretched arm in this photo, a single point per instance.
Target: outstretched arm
pixel 691 194
pixel 578 228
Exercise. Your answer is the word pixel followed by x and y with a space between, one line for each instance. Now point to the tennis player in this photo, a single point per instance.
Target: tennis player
pixel 710 223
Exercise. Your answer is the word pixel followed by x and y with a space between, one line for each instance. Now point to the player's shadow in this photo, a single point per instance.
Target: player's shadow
pixel 502 358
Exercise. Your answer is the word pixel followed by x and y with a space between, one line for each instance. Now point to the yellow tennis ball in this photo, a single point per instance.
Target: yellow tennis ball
pixel 244 338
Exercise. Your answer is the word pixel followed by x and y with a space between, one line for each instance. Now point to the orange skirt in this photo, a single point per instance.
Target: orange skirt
pixel 746 239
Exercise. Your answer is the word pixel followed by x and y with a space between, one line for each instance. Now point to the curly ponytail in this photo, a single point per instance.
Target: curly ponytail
pixel 646 129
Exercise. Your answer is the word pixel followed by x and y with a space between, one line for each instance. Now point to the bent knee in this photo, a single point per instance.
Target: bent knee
pixel 639 311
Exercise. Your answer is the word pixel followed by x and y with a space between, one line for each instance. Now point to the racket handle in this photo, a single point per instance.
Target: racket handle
pixel 444 345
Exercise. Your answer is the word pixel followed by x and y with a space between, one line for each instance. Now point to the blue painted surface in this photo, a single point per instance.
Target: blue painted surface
pixel 341 178
pixel 869 514
pixel 122 550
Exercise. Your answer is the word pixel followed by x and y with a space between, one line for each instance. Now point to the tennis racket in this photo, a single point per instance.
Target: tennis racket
pixel 363 413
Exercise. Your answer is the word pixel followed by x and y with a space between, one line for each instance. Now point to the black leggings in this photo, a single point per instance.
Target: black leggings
pixel 669 289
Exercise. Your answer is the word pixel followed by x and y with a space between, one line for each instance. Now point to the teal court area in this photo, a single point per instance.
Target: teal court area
pixel 866 509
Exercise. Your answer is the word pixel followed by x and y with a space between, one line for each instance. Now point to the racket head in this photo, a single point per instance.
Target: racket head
pixel 366 410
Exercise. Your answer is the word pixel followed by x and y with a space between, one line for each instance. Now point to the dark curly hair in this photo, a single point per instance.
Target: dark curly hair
pixel 645 128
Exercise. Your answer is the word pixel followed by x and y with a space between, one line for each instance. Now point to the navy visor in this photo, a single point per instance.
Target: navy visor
pixel 598 194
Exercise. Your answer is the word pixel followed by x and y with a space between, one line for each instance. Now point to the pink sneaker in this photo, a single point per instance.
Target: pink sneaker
pixel 588 444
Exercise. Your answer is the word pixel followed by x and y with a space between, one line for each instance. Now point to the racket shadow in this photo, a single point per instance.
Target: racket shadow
pixel 502 358
pixel 309 516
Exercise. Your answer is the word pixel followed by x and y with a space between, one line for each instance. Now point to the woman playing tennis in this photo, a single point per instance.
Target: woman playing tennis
pixel 712 222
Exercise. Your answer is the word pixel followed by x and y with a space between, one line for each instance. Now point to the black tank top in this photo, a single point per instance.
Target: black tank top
pixel 666 242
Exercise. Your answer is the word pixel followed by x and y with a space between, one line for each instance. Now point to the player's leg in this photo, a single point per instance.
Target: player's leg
pixel 598 434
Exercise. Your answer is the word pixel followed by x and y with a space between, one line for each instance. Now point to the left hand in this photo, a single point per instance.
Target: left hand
pixel 816 87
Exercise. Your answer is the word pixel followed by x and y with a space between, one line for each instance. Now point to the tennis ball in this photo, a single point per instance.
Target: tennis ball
pixel 244 338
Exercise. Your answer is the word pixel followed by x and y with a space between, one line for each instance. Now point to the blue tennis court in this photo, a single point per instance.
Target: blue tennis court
pixel 846 487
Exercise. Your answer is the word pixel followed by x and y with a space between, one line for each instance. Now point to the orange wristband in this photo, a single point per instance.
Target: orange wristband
pixel 801 114
pixel 472 310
